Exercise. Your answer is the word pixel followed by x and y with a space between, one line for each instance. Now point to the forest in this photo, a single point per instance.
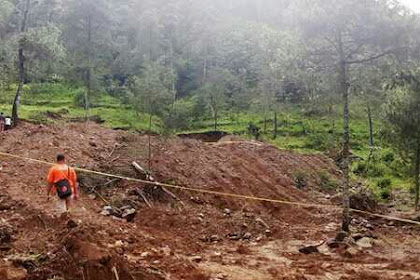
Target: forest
pixel 340 77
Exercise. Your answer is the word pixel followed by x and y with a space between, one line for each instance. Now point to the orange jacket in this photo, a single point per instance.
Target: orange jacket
pixel 62 171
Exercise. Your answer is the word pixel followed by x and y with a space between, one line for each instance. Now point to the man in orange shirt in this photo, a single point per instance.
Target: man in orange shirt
pixel 62 181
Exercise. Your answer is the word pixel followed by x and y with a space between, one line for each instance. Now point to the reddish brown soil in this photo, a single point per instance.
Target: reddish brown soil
pixel 164 242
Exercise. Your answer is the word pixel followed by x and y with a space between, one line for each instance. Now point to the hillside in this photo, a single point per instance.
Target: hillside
pixel 198 237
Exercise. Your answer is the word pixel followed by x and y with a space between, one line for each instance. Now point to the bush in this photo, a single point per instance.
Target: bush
pixel 326 182
pixel 384 183
pixel 375 170
pixel 360 168
pixel 388 157
pixel 180 118
pixel 320 142
pixel 300 179
pixel 386 193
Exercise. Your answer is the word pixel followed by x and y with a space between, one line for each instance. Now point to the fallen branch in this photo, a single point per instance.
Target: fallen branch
pixel 151 179
pixel 117 277
pixel 140 193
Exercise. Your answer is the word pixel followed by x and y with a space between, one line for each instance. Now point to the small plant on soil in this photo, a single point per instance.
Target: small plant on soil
pixel 301 179
pixel 327 183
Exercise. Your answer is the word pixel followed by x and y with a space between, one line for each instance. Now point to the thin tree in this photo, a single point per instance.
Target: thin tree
pixel 21 63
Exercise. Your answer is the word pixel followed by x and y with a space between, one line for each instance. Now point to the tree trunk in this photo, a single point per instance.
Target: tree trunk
pixel 88 83
pixel 215 120
pixel 21 67
pixel 149 139
pixel 369 112
pixel 275 126
pixel 174 91
pixel 265 123
pixel 344 89
pixel 416 177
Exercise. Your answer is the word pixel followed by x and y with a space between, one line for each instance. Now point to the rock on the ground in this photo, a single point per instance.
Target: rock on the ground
pixel 365 242
pixel 227 212
pixel 196 259
pixel 247 236
pixel 341 236
pixel 129 214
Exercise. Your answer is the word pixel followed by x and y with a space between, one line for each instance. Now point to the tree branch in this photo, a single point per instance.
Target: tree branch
pixel 370 58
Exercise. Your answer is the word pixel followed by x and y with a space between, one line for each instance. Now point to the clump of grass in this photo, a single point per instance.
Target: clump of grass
pixel 327 183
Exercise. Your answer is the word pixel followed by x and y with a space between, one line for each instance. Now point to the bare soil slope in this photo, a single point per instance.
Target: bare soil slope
pixel 201 237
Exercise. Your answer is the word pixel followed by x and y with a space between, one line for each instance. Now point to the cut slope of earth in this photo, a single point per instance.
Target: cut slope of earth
pixel 199 237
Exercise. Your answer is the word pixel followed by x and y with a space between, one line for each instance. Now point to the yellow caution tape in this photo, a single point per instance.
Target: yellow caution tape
pixel 237 196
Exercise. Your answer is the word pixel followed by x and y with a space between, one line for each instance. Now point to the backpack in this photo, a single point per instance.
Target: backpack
pixel 63 187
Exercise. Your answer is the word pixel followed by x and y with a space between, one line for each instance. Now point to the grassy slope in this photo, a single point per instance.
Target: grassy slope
pixel 296 131
pixel 37 102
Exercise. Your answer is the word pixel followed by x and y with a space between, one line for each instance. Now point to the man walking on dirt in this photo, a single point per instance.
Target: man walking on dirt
pixel 62 182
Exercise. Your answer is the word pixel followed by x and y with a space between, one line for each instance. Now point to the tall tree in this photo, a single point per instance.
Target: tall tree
pixel 345 34
pixel 87 37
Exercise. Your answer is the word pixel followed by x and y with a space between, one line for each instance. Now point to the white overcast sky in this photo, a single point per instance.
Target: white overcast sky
pixel 413 4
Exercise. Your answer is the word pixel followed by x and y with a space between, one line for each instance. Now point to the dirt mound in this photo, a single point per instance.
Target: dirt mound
pixel 199 236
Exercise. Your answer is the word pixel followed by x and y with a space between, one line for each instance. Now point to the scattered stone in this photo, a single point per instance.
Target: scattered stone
pixel 309 250
pixel 119 243
pixel 129 214
pixel 341 236
pixel 92 196
pixel 201 215
pixel 365 242
pixel 350 252
pixel 197 200
pixel 369 226
pixel 144 254
pixel 259 238
pixel 196 259
pixel 105 213
pixel 126 207
pixel 247 236
pixel 227 212
pixel 234 236
pixel 357 236
pixel 214 238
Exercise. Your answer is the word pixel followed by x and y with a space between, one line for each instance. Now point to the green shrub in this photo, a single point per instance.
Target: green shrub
pixel 388 157
pixel 326 182
pixel 384 183
pixel 386 193
pixel 360 168
pixel 181 117
pixel 375 170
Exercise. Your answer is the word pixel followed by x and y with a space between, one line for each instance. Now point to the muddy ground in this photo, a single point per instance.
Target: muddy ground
pixel 192 236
